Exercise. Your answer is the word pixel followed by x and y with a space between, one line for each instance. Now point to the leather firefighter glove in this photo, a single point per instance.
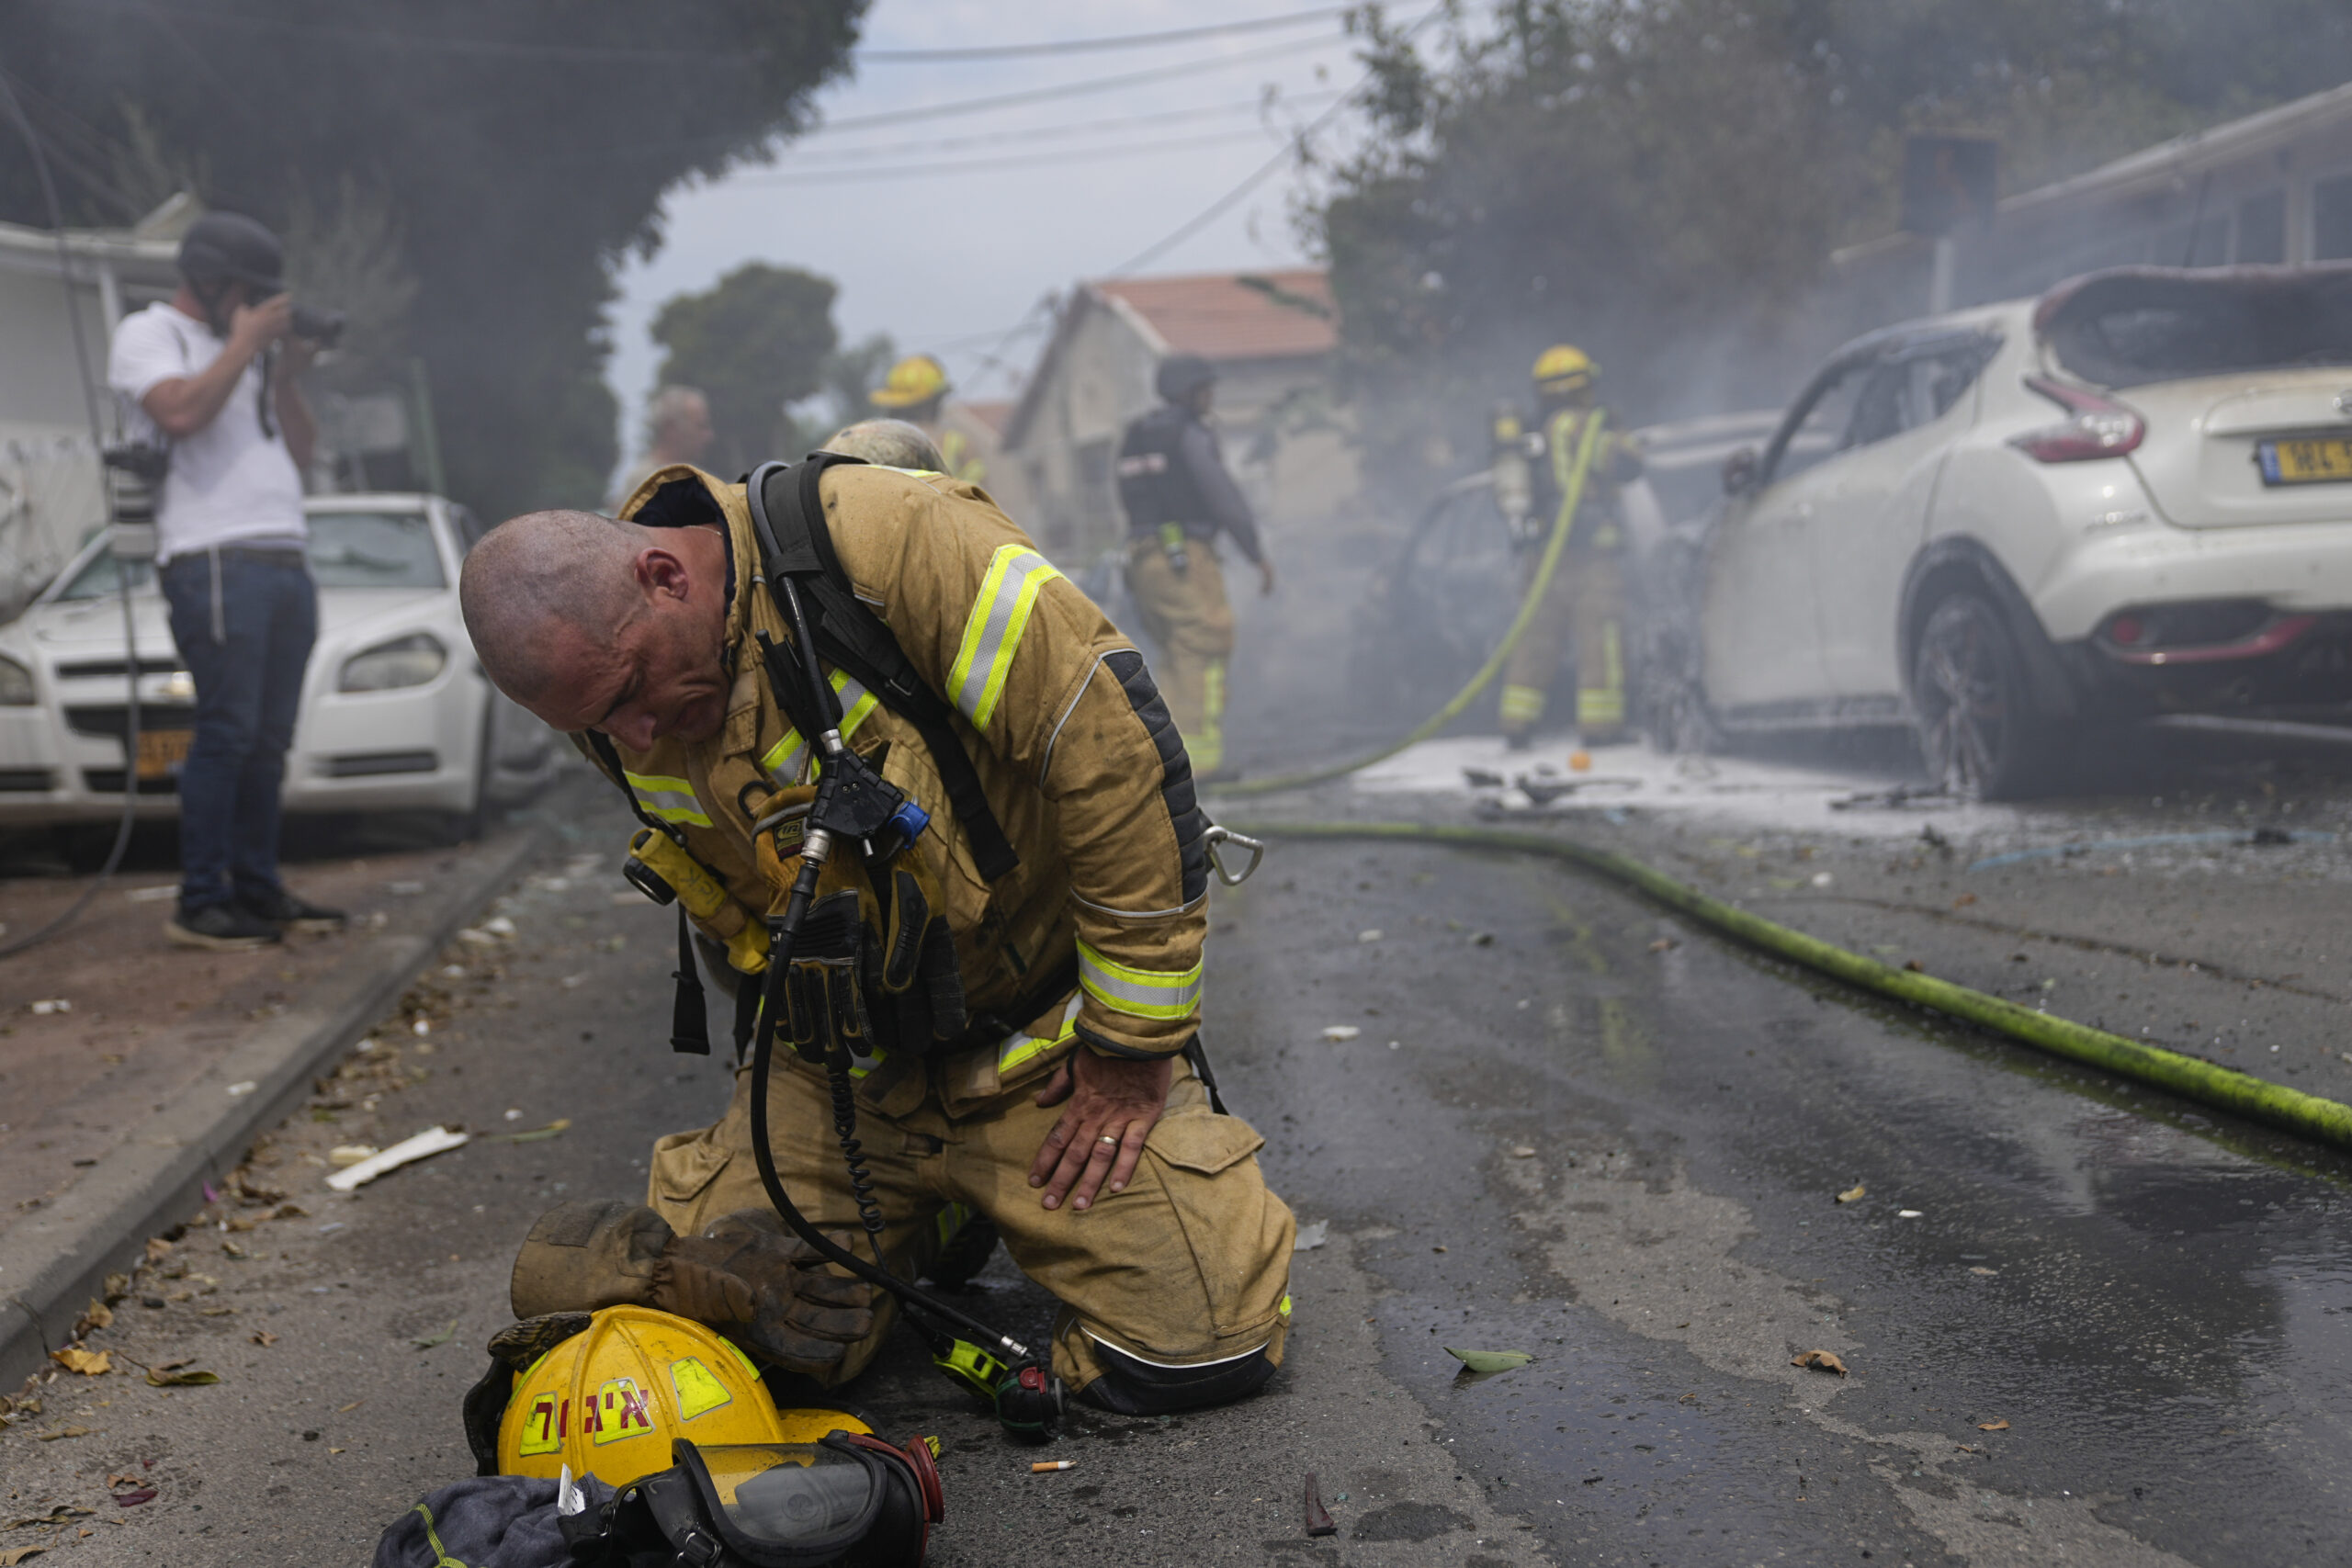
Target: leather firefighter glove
pixel 745 1276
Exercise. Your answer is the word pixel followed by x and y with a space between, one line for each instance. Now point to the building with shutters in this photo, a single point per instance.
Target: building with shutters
pixel 1271 336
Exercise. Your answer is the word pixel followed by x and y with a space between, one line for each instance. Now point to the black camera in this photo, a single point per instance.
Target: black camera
pixel 321 327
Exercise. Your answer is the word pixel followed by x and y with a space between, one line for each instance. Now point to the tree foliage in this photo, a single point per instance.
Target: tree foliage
pixel 761 338
pixel 510 153
pixel 1662 181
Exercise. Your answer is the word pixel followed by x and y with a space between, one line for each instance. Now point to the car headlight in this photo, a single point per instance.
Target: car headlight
pixel 411 660
pixel 15 684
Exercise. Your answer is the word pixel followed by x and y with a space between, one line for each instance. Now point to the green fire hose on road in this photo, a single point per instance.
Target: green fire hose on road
pixel 1572 496
pixel 2224 1089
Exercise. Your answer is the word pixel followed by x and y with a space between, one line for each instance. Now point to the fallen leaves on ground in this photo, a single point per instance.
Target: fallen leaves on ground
pixel 98 1315
pixel 264 1338
pixel 539 1135
pixel 1992 1426
pixel 169 1377
pixel 1822 1361
pixel 441 1339
pixel 133 1499
pixel 1490 1360
pixel 56 1433
pixel 1851 1194
pixel 89 1363
pixel 57 1516
pixel 16 1554
pixel 158 1249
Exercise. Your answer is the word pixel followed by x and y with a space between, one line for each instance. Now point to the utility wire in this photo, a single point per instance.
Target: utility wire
pixel 1012 161
pixel 1090 45
pixel 803 149
pixel 1218 207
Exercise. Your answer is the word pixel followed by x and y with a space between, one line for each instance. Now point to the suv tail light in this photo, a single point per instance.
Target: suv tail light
pixel 2100 428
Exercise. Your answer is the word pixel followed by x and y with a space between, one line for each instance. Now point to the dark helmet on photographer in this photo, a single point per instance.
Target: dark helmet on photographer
pixel 229 247
pixel 1182 374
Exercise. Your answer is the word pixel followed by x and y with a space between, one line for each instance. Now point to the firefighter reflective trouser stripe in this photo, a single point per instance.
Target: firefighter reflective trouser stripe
pixel 1584 605
pixel 1143 993
pixel 1190 623
pixel 1189 1266
pixel 789 757
pixel 667 798
pixel 992 632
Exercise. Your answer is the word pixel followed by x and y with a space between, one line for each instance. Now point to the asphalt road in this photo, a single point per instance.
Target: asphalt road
pixel 2080 1323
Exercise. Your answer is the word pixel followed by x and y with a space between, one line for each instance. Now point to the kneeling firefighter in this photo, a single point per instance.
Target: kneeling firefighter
pixel 1586 599
pixel 932 823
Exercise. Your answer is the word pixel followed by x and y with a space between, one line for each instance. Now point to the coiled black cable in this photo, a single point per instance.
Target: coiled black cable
pixel 861 1182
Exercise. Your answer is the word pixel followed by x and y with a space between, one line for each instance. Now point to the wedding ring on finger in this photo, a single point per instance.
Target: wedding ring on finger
pixel 1107 1138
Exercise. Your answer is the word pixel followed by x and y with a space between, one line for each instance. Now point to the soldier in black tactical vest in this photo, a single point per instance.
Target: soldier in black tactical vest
pixel 1179 498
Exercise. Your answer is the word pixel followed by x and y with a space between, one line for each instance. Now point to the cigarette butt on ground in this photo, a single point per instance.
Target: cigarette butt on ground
pixel 1044 1465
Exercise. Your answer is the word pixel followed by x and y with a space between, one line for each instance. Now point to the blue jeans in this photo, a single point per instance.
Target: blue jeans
pixel 245 638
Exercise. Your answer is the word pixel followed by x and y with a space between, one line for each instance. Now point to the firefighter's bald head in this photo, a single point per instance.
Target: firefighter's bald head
pixel 596 623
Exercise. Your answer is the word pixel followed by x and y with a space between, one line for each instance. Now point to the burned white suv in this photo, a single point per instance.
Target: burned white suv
pixel 2129 500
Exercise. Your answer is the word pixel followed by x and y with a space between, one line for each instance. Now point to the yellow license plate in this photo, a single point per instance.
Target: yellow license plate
pixel 161 752
pixel 2320 461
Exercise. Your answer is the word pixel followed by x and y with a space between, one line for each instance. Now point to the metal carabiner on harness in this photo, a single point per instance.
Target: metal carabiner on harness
pixel 1218 837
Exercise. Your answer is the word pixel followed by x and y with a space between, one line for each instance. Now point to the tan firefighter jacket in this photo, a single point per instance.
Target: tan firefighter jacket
pixel 1072 743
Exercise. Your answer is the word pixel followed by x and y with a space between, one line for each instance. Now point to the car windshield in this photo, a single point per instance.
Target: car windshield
pixel 348 549
pixel 374 549
pixel 2133 328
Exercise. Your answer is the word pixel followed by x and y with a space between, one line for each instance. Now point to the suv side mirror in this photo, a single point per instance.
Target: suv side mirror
pixel 1739 472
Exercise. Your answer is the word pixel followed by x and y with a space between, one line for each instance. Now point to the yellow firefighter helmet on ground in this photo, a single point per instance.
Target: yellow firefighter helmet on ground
pixel 914 381
pixel 609 1400
pixel 1564 367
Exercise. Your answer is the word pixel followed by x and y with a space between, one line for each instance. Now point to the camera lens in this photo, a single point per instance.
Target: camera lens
pixel 321 327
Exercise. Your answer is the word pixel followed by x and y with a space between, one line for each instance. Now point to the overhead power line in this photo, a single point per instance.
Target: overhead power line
pixel 1080 88
pixel 800 151
pixel 1093 45
pixel 1218 207
pixel 1015 161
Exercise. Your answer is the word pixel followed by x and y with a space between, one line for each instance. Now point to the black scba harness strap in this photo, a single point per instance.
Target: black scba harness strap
pixel 788 520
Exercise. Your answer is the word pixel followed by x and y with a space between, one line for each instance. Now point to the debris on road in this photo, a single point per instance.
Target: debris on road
pixel 441 1339
pixel 1311 1236
pixel 1820 1361
pixel 133 1498
pixel 89 1363
pixel 1908 1213
pixel 537 1135
pixel 1992 1426
pixel 170 1374
pixel 51 1004
pixel 1490 1360
pixel 1047 1466
pixel 263 1337
pixel 1341 1032
pixel 344 1154
pixel 54 1434
pixel 1854 1193
pixel 1522 1151
pixel 1318 1518
pixel 431 1140
pixel 1373 935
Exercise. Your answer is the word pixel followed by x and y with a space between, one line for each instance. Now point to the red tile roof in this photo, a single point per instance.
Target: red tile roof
pixel 1252 315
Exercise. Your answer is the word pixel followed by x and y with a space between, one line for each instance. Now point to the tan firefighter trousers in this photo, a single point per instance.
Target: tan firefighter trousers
pixel 1586 603
pixel 1190 623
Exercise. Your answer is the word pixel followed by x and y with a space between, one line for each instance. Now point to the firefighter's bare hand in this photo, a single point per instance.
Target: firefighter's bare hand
pixel 1109 1106
pixel 1266 576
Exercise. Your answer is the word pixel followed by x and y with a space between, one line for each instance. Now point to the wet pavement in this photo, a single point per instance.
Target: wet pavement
pixel 2081 1323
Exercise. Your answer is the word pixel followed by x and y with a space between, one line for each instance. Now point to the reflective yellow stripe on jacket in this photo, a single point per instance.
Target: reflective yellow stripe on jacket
pixel 1019 1050
pixel 667 798
pixel 993 633
pixel 787 759
pixel 1139 993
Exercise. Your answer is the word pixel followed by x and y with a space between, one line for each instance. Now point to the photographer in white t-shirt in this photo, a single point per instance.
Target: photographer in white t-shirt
pixel 216 373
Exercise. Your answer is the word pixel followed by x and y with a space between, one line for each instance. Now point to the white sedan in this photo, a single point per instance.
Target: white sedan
pixel 396 712
pixel 2127 501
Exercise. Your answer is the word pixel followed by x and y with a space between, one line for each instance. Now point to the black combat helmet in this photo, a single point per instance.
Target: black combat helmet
pixel 226 247
pixel 1182 374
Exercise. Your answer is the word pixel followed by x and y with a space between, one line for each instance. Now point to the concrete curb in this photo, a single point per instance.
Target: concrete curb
pixel 50 1266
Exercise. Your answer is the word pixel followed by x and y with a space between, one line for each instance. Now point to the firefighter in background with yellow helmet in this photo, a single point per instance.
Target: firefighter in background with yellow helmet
pixel 1586 602
pixel 916 390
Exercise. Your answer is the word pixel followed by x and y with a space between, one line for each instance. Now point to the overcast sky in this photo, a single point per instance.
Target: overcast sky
pixel 948 260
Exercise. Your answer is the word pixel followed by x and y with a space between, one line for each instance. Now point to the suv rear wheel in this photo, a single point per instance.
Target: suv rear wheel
pixel 1977 731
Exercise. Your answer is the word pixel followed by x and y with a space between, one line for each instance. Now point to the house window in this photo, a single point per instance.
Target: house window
pixel 2332 218
pixel 2262 227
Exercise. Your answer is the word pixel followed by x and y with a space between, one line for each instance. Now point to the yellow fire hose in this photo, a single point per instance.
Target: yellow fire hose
pixel 2224 1089
pixel 1572 494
